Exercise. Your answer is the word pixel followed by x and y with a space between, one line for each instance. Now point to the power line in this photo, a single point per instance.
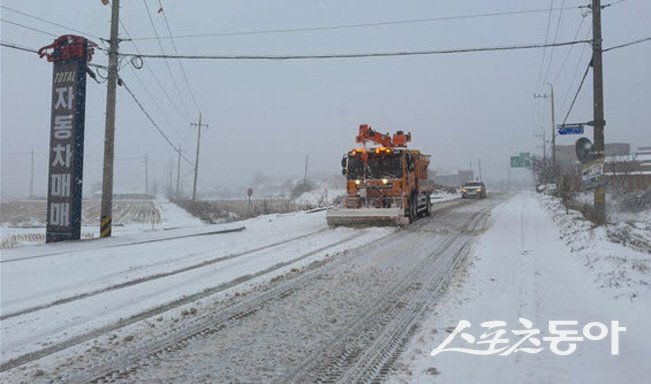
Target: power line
pixel 542 64
pixel 185 76
pixel 576 69
pixel 29 28
pixel 151 96
pixel 361 25
pixel 585 74
pixel 18 47
pixel 558 28
pixel 49 22
pixel 638 41
pixel 357 55
pixel 167 64
pixel 569 51
pixel 151 120
pixel 167 95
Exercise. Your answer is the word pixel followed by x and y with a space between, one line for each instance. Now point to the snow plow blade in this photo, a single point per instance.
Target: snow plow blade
pixel 366 217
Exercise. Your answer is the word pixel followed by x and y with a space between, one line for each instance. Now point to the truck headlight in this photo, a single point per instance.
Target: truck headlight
pixel 384 181
pixel 357 182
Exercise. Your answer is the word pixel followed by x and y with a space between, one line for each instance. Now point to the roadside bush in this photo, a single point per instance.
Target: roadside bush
pixel 301 188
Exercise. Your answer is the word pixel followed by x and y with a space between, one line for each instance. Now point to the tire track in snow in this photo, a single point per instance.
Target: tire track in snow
pixel 36 355
pixel 123 367
pixel 384 329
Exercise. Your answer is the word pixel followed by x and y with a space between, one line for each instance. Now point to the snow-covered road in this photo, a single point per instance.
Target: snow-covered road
pixel 289 300
pixel 96 305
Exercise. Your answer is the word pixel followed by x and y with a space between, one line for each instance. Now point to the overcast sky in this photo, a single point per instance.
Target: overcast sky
pixel 264 116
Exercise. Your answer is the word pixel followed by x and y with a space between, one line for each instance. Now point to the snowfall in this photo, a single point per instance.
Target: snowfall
pixel 535 263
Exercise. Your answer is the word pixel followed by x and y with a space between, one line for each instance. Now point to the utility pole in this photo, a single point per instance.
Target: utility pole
pixel 544 137
pixel 508 177
pixel 170 177
pixel 479 165
pixel 598 105
pixel 146 174
pixel 31 178
pixel 196 161
pixel 178 175
pixel 550 97
pixel 109 130
pixel 305 175
pixel 553 132
pixel 543 146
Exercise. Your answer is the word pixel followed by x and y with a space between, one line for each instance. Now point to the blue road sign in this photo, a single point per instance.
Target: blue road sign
pixel 574 129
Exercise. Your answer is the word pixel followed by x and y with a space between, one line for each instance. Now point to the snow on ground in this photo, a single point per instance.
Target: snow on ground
pixel 621 270
pixel 168 215
pixel 628 216
pixel 174 216
pixel 441 195
pixel 522 267
pixel 78 287
pixel 320 197
pixel 616 211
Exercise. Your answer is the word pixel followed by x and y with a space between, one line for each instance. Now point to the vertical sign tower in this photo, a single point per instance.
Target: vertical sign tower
pixel 70 55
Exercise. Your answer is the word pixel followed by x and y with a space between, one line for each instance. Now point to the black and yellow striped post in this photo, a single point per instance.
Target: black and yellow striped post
pixel 105 226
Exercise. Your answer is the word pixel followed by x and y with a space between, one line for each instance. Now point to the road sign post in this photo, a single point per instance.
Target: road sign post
pixel 249 193
pixel 523 160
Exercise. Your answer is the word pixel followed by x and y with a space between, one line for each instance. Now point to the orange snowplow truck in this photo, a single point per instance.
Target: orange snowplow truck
pixel 386 184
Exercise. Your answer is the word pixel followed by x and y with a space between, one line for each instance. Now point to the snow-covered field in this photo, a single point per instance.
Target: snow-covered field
pixel 320 197
pixel 23 222
pixel 527 266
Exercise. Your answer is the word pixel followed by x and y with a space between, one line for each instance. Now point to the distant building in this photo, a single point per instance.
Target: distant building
pixel 623 170
pixel 453 179
pixel 566 154
pixel 630 172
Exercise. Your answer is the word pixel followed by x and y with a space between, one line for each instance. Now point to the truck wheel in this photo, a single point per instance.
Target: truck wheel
pixel 428 212
pixel 412 210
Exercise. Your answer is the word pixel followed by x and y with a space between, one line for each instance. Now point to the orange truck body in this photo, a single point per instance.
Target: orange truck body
pixel 386 184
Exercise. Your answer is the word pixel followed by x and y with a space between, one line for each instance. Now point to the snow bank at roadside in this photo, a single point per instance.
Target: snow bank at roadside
pixel 620 269
pixel 440 195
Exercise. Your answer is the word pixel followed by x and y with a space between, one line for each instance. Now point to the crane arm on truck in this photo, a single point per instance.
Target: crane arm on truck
pixel 366 133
